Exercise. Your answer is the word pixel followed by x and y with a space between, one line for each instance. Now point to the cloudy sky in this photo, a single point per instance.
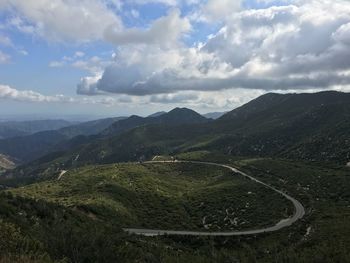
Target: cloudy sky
pixel 117 57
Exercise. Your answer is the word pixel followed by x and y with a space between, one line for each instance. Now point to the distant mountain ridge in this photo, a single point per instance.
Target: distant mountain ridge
pixel 312 127
pixel 10 129
pixel 157 114
pixel 214 115
pixel 309 127
pixel 31 147
pixel 174 117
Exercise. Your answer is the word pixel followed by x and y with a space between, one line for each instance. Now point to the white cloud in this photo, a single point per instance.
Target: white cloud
pixel 303 45
pixel 165 2
pixel 4 58
pixel 163 32
pixel 300 46
pixel 79 60
pixel 56 64
pixel 62 20
pixel 135 13
pixel 7 42
pixel 88 86
pixel 77 21
pixel 23 52
pixel 10 93
pixel 6 92
pixel 217 10
pixel 94 64
pixel 79 54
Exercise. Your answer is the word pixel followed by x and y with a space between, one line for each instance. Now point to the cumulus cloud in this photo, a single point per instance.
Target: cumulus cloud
pixel 299 46
pixel 217 10
pixel 10 93
pixel 165 2
pixel 60 20
pixel 56 64
pixel 91 20
pixel 94 65
pixel 165 31
pixel 6 92
pixel 88 86
pixel 175 98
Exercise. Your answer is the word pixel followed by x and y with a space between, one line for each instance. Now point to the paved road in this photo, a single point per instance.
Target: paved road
pixel 298 213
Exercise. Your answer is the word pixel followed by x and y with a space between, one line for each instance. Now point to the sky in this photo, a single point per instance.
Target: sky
pixel 116 58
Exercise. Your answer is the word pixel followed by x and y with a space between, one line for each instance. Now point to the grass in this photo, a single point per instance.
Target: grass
pixel 324 190
pixel 78 218
pixel 167 196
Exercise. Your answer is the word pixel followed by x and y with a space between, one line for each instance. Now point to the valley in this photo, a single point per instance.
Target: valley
pixel 298 213
pixel 175 131
pixel 266 182
pixel 176 196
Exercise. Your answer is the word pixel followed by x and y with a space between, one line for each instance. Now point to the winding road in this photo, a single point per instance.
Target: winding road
pixel 298 213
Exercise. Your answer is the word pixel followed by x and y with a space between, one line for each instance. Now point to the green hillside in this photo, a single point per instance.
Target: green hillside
pixel 309 127
pixel 99 194
pixel 312 127
pixel 166 196
pixel 175 117
pixel 30 147
pixel 9 129
pixel 79 217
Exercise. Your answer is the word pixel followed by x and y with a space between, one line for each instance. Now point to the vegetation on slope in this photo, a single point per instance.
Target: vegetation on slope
pixel 75 218
pixel 10 129
pixel 175 117
pixel 33 146
pixel 166 196
pixel 311 127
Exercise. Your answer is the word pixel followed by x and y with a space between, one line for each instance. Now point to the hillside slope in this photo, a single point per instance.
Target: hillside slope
pixel 311 127
pixel 10 129
pixel 79 217
pixel 31 147
pixel 177 116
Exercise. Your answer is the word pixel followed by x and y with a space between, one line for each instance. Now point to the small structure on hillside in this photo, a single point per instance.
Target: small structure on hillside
pixel 348 165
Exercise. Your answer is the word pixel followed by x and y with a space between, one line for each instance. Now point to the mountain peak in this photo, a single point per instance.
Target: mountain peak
pixel 177 116
pixel 182 116
pixel 178 109
pixel 288 102
pixel 157 114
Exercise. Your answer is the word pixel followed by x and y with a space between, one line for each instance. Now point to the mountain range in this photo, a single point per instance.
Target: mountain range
pixel 30 147
pixel 10 129
pixel 310 127
pixel 214 115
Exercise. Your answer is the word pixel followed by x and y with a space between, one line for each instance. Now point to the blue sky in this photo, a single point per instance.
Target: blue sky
pixel 114 57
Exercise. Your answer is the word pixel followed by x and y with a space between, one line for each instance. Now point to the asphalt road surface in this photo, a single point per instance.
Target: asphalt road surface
pixel 298 213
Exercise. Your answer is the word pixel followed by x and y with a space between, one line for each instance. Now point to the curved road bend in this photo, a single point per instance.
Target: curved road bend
pixel 298 213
